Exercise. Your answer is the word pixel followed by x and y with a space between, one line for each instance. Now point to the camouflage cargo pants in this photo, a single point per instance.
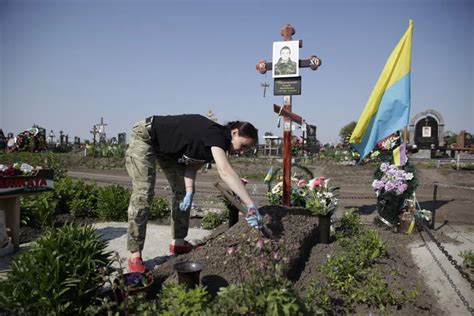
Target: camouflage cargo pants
pixel 140 161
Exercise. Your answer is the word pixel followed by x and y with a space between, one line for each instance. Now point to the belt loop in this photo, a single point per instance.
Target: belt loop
pixel 149 124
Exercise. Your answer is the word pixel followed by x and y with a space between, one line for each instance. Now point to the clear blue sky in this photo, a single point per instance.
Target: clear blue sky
pixel 66 63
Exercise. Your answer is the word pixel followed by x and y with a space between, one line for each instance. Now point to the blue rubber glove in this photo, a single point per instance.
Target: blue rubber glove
pixel 254 219
pixel 187 201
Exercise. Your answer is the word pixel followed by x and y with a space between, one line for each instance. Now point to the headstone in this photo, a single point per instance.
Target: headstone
pixel 122 138
pixel 461 140
pixel 61 138
pixel 426 129
pixel 311 140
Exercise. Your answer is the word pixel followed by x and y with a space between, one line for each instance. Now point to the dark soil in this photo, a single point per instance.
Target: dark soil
pixel 229 256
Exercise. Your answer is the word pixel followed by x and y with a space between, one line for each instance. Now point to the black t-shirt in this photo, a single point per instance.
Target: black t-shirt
pixel 188 137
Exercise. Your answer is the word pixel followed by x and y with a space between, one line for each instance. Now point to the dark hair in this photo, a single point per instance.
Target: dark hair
pixel 285 47
pixel 245 129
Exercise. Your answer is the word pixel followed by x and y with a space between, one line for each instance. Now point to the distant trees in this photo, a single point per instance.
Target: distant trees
pixel 346 132
pixel 450 138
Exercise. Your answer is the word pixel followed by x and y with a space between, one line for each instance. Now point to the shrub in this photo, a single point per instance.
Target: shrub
pixel 76 197
pixel 350 224
pixel 64 191
pixel 113 203
pixel 84 201
pixel 159 208
pixel 263 297
pixel 176 299
pixel 211 220
pixel 59 275
pixel 39 210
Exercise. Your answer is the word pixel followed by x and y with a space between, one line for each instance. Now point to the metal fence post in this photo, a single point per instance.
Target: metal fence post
pixel 433 211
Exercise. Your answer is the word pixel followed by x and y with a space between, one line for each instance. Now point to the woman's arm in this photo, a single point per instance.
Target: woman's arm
pixel 190 177
pixel 229 176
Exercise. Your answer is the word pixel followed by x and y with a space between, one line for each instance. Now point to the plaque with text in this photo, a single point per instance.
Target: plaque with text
pixel 287 86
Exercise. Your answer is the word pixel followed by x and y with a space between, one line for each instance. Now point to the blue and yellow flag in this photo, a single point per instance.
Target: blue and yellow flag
pixel 269 175
pixel 400 155
pixel 388 107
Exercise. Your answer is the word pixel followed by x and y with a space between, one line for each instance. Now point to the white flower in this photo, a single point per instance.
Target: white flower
pixel 277 188
pixel 408 176
pixel 26 167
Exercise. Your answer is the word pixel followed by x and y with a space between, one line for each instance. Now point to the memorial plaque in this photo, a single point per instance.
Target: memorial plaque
pixel 287 86
pixel 38 181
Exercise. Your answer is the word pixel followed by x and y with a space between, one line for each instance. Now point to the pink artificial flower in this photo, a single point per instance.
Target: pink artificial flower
pixel 259 244
pixel 316 182
pixel 231 250
pixel 301 182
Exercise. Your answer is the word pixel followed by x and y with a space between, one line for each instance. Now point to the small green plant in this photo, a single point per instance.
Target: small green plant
pixel 350 224
pixel 264 297
pixel 317 298
pixel 113 203
pixel 468 256
pixel 159 208
pixel 351 278
pixel 39 210
pixel 84 202
pixel 76 197
pixel 274 198
pixel 60 275
pixel 211 220
pixel 176 299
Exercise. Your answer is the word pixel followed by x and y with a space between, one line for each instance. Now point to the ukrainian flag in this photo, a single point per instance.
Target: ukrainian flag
pixel 388 107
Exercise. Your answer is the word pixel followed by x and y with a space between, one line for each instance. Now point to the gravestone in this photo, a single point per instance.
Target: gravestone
pixel 426 130
pixel 311 140
pixel 122 138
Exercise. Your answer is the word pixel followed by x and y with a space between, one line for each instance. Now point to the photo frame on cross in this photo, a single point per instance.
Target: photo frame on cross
pixel 285 59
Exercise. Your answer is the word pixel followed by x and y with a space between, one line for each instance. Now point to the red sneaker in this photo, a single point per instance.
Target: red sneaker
pixel 182 249
pixel 136 265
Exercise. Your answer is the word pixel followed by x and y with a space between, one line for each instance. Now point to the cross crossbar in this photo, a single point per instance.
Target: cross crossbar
pixel 284 112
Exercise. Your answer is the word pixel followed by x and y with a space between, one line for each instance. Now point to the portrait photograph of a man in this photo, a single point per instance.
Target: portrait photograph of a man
pixel 285 59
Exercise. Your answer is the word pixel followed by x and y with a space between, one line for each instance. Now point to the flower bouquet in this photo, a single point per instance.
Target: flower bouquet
pixel 321 198
pixel 298 193
pixel 384 149
pixel 393 185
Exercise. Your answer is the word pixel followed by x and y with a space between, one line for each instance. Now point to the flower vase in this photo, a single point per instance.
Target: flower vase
pixel 324 227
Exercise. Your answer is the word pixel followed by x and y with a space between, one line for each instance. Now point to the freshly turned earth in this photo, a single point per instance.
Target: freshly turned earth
pixel 296 240
pixel 294 231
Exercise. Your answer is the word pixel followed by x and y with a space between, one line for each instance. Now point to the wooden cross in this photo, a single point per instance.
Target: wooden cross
pixel 287 31
pixel 102 126
pixel 313 62
pixel 281 111
pixel 94 132
pixel 264 85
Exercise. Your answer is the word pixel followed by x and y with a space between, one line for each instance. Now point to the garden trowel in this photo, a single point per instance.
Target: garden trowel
pixel 233 200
